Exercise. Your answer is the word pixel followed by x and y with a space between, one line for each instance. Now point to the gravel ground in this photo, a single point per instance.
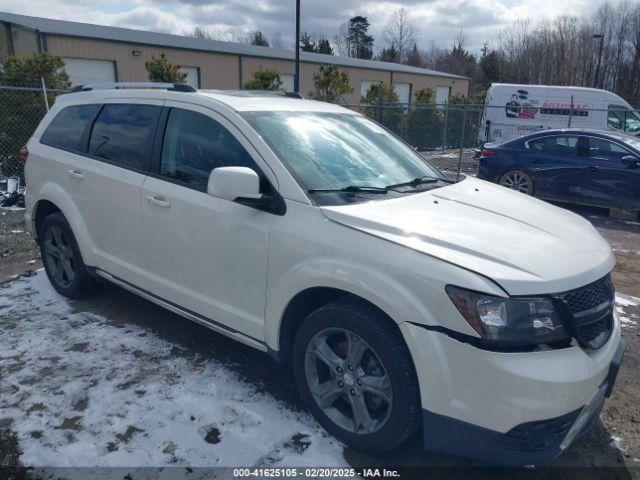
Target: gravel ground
pixel 171 359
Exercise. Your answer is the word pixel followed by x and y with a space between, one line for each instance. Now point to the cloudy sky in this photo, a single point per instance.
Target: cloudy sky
pixel 437 20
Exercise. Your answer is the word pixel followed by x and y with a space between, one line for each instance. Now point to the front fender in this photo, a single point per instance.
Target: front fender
pixel 366 282
pixel 52 192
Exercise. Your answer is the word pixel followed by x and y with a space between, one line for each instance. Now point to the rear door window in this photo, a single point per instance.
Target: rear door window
pixel 557 144
pixel 66 130
pixel 123 133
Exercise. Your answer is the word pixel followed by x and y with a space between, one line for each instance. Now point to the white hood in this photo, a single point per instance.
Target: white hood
pixel 526 245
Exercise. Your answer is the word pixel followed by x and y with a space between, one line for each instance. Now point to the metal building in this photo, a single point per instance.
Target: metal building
pixel 99 53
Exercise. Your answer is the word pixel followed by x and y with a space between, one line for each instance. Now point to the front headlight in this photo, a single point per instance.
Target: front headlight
pixel 509 321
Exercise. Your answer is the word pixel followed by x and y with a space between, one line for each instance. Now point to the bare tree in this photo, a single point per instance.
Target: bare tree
pixel 276 40
pixel 199 32
pixel 341 43
pixel 400 33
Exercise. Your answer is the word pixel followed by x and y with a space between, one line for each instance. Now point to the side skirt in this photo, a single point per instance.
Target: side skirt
pixel 194 317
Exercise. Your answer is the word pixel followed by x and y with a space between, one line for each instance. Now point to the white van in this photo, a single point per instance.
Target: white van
pixel 515 110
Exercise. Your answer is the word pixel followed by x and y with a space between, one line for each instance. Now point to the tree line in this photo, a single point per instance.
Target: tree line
pixel 601 49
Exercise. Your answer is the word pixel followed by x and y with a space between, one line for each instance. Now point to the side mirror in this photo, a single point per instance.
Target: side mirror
pixel 231 183
pixel 631 161
pixel 242 185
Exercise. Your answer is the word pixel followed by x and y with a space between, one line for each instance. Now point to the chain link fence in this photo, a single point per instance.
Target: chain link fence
pixel 448 133
pixel 444 132
pixel 21 109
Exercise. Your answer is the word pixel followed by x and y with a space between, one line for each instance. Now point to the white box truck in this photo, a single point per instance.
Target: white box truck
pixel 513 110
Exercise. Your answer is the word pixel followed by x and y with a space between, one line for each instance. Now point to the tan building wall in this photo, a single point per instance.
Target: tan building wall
pixel 4 44
pixel 253 64
pixel 217 70
pixel 25 42
pixel 418 82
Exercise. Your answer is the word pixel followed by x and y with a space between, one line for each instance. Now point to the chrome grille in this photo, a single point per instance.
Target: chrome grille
pixel 592 309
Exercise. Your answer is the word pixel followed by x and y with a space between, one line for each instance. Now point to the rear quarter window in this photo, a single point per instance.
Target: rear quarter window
pixel 66 129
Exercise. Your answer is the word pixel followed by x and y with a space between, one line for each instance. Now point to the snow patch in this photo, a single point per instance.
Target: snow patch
pixel 626 319
pixel 84 392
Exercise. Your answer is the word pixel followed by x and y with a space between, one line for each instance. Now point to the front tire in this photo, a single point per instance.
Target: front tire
pixel 62 259
pixel 356 376
pixel 517 180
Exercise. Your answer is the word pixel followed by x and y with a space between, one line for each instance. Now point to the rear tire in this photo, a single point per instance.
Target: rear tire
pixel 517 180
pixel 356 376
pixel 62 259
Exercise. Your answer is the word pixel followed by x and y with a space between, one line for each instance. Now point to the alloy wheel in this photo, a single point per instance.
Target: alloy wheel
pixel 59 256
pixel 517 181
pixel 348 381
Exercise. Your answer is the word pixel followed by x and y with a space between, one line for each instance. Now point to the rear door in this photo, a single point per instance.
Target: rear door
pixel 205 254
pixel 108 185
pixel 609 180
pixel 556 166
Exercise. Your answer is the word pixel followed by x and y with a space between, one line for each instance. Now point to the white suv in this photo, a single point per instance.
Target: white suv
pixel 404 300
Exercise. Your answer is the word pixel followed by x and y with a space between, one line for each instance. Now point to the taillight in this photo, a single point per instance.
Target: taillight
pixel 487 153
pixel 24 154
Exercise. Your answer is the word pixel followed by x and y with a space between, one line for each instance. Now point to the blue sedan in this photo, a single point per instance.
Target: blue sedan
pixel 576 166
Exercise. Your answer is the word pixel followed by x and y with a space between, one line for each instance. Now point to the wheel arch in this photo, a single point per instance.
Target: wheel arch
pixel 53 199
pixel 305 301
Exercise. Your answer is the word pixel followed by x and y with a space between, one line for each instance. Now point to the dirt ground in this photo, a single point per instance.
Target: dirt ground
pixel 612 450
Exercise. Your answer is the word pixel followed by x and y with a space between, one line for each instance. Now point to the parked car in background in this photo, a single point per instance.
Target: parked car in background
pixel 512 111
pixel 571 165
pixel 404 300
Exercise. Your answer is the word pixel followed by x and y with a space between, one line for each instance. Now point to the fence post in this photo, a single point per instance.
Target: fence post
pixel 462 132
pixel 480 112
pixel 444 128
pixel 44 92
pixel 379 104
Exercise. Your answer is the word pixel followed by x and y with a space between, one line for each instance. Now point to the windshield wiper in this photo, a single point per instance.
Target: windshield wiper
pixel 420 181
pixel 351 189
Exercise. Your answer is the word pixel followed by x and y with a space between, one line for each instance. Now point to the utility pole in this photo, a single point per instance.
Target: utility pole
pixel 597 75
pixel 296 77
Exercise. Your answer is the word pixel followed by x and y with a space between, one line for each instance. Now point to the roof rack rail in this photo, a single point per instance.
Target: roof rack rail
pixel 176 87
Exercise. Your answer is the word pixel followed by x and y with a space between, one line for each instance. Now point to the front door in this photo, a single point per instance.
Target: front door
pixel 205 254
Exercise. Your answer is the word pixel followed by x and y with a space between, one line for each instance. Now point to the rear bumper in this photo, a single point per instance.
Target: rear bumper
pixel 485 172
pixel 530 443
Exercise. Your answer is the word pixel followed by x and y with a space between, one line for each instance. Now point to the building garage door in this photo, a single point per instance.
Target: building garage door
pixel 442 95
pixel 403 90
pixel 83 71
pixel 193 76
pixel 287 82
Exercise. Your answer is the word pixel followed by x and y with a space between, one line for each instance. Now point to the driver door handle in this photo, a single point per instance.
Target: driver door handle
pixel 594 168
pixel 158 201
pixel 76 174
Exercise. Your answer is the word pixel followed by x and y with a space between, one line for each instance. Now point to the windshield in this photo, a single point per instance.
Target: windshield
pixel 621 118
pixel 332 152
